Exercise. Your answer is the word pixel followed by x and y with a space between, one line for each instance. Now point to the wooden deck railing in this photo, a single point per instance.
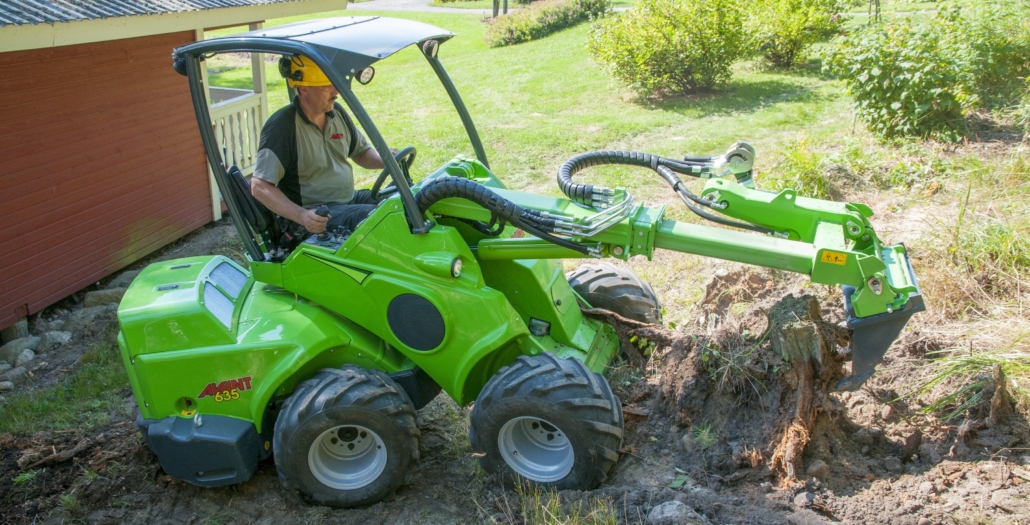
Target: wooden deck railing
pixel 237 123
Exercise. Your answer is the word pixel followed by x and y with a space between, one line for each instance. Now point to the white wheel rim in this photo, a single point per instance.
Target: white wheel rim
pixel 347 457
pixel 536 449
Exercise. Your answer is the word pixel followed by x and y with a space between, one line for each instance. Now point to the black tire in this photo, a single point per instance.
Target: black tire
pixel 616 289
pixel 573 402
pixel 351 400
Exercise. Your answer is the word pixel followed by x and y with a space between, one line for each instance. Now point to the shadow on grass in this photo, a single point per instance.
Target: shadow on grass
pixel 736 97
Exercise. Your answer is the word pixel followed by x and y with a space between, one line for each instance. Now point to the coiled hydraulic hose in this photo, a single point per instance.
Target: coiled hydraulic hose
pixel 665 167
pixel 500 208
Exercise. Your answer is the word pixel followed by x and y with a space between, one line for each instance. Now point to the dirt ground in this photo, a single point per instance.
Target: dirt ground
pixel 699 414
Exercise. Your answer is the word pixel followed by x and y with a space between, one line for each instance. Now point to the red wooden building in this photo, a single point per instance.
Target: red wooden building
pixel 100 159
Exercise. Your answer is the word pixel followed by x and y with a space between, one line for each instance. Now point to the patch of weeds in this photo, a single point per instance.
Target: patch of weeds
pixel 89 475
pixel 546 507
pixel 624 375
pixel 802 171
pixel 26 477
pixel 85 399
pixel 219 518
pixel 973 372
pixel 69 502
pixel 704 438
pixel 732 367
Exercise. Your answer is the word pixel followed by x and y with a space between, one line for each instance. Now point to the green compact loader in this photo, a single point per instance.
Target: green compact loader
pixel 320 351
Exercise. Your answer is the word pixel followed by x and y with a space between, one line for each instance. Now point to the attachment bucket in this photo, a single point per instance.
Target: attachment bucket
pixel 872 336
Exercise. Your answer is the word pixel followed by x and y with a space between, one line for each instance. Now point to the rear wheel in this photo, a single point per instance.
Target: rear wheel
pixel 617 289
pixel 346 437
pixel 550 421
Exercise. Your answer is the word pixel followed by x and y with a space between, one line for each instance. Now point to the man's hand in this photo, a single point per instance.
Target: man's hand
pixel 313 222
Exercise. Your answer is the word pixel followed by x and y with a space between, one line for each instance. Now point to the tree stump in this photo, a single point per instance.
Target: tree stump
pixel 798 333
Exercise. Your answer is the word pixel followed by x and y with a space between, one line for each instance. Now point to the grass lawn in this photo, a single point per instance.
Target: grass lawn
pixel 512 4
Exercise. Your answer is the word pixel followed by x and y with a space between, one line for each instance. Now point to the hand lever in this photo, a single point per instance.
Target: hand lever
pixel 323 211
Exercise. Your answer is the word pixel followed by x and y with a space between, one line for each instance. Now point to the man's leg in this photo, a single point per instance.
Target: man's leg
pixel 348 215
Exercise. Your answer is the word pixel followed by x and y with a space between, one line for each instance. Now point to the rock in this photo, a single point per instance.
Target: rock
pixel 123 280
pixel 1010 501
pixel 886 412
pixel 55 325
pixel 24 357
pixel 16 331
pixel 10 351
pixel 925 521
pixel 927 488
pixel 53 340
pixel 92 318
pixel 4 366
pixel 865 450
pixel 674 513
pixel 863 436
pixel 3 401
pixel 892 464
pixel 911 445
pixel 13 374
pixel 6 385
pixel 819 469
pixel 804 499
pixel 101 297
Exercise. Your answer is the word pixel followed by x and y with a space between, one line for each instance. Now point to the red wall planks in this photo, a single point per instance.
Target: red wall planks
pixel 100 165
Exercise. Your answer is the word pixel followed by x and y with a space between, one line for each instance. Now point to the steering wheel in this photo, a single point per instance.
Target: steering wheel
pixel 405 158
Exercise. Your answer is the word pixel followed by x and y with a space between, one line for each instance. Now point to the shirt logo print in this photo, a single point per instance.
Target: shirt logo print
pixel 337 136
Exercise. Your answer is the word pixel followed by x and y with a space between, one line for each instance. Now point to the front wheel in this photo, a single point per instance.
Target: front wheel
pixel 346 437
pixel 550 421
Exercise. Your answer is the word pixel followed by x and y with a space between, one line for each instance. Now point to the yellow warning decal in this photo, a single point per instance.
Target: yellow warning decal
pixel 840 259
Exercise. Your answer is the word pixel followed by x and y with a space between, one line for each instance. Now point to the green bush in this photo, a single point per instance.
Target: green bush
pixel 919 80
pixel 901 82
pixel 541 19
pixel 784 30
pixel 667 47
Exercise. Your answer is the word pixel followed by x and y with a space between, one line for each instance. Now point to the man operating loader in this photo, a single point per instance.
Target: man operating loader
pixel 303 157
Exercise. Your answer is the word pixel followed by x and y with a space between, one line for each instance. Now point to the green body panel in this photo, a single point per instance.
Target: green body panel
pixel 325 307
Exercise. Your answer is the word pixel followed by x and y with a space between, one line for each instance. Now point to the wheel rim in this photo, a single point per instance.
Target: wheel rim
pixel 347 457
pixel 536 449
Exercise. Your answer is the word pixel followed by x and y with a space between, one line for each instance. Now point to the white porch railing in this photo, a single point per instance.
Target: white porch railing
pixel 237 122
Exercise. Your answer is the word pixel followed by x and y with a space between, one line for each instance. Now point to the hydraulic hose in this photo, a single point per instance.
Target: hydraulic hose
pixel 667 168
pixel 500 208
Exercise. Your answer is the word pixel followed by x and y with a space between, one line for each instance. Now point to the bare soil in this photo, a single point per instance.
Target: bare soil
pixel 707 409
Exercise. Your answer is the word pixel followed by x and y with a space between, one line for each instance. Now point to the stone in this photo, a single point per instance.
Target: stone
pixel 911 445
pixel 886 412
pixel 55 325
pixel 10 351
pixel 53 340
pixel 123 280
pixel 819 469
pixel 674 513
pixel 892 464
pixel 1010 501
pixel 5 366
pixel 101 297
pixel 24 357
pixel 17 330
pixel 863 436
pixel 94 317
pixel 6 385
pixel 927 488
pixel 13 374
pixel 804 499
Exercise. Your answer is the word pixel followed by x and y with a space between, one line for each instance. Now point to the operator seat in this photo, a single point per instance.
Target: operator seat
pixel 260 219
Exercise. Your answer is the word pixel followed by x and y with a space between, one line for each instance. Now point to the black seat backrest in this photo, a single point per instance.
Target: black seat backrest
pixel 261 219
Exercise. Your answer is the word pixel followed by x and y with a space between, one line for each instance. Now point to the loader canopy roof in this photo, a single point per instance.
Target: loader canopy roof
pixel 349 42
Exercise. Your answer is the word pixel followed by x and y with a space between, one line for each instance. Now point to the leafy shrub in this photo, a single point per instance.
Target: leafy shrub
pixel 541 19
pixel 901 82
pixel 784 30
pixel 666 47
pixel 919 80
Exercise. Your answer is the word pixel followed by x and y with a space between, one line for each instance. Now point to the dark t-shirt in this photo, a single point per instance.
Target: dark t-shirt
pixel 308 164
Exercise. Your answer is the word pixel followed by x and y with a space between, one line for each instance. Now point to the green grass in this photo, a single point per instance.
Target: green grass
pixel 512 4
pixel 94 392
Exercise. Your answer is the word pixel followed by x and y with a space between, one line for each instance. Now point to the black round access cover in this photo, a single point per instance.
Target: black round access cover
pixel 415 321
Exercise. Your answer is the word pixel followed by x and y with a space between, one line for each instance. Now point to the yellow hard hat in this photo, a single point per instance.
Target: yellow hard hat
pixel 301 71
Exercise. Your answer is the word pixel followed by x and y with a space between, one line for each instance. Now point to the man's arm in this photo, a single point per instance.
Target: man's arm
pixel 274 199
pixel 370 160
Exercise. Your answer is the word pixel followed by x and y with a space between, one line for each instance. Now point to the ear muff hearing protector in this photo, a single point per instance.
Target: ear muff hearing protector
pixel 299 70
